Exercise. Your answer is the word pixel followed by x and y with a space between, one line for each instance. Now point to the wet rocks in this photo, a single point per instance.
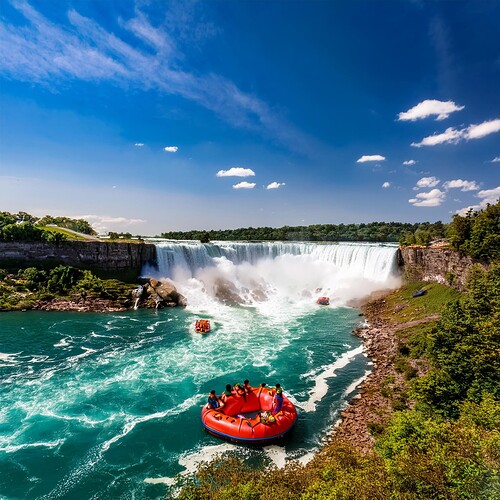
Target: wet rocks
pixel 157 294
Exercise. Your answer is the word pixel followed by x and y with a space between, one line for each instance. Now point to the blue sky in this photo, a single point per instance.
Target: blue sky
pixel 151 116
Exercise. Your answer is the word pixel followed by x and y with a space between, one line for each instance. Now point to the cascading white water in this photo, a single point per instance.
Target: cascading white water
pixel 250 273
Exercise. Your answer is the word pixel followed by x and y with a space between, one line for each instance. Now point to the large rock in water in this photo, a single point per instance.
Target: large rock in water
pixel 227 292
pixel 163 294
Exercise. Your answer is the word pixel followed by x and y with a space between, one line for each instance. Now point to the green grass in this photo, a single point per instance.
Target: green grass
pixel 69 235
pixel 401 306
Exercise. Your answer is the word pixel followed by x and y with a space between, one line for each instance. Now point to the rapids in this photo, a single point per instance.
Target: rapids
pixel 108 405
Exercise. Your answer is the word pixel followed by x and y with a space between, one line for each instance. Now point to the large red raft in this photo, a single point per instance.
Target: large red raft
pixel 240 419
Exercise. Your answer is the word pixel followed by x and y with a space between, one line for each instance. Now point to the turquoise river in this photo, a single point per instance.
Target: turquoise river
pixel 108 405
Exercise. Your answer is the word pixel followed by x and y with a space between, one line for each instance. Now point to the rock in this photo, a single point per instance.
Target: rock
pixel 157 294
pixel 227 292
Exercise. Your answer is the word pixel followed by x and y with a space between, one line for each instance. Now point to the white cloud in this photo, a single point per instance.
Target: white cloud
pixel 366 158
pixel 496 159
pixel 430 107
pixel 433 198
pixel 490 196
pixel 171 149
pixel 427 182
pixel 139 144
pixel 244 185
pixel 104 223
pixel 409 162
pixel 236 172
pixel 463 211
pixel 275 185
pixel 482 130
pixel 460 184
pixel 450 135
pixel 454 136
pixel 386 184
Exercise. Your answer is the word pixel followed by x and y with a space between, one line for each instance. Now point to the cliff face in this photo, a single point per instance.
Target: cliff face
pixel 97 255
pixel 441 265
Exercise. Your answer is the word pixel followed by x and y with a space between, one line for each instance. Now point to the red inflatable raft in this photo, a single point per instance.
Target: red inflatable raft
pixel 243 419
pixel 323 301
pixel 202 326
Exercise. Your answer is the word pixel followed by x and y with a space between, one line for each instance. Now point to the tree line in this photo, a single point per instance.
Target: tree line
pixel 370 232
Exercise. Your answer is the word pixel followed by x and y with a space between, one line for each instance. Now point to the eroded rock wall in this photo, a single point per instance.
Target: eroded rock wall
pixel 104 256
pixel 441 265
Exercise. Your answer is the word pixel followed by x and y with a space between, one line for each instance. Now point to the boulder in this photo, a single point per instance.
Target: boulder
pixel 162 294
pixel 227 292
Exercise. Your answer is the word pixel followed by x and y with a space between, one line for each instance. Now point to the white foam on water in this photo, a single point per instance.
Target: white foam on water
pixel 8 357
pixel 169 481
pixel 354 385
pixel 320 389
pixel 134 421
pixel 305 459
pixel 82 419
pixel 83 469
pixel 191 461
pixel 277 455
pixel 63 342
pixel 43 444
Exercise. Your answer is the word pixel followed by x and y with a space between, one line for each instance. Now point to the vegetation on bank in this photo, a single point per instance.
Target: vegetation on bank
pixel 443 440
pixel 27 288
pixel 21 227
pixel 373 231
pixel 477 234
pixel 78 225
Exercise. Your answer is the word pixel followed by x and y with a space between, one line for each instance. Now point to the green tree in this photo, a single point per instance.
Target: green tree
pixel 63 278
pixel 484 239
pixel 465 347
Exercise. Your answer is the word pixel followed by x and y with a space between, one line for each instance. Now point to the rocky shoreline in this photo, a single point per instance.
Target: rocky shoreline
pixel 80 304
pixel 371 409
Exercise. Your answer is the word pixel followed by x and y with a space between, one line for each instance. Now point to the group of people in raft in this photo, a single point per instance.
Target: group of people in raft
pixel 218 402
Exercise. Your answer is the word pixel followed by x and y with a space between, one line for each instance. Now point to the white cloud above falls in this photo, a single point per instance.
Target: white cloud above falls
pixel 366 158
pixel 236 172
pixel 275 185
pixel 244 185
pixel 433 198
pixel 461 184
pixel 454 136
pixel 430 107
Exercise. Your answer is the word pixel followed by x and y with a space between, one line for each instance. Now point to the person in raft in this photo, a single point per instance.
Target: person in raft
pixel 238 388
pixel 277 400
pixel 246 386
pixel 214 401
pixel 227 393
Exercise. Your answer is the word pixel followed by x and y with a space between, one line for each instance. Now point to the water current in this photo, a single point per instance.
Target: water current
pixel 108 405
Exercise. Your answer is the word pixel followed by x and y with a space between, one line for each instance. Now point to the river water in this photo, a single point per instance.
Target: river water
pixel 108 405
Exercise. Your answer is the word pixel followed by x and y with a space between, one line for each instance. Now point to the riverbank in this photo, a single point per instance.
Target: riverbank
pixel 388 315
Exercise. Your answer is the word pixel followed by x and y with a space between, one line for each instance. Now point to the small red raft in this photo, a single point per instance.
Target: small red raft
pixel 242 418
pixel 202 326
pixel 323 301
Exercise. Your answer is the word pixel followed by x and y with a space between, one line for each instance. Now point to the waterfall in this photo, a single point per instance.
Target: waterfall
pixel 375 262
